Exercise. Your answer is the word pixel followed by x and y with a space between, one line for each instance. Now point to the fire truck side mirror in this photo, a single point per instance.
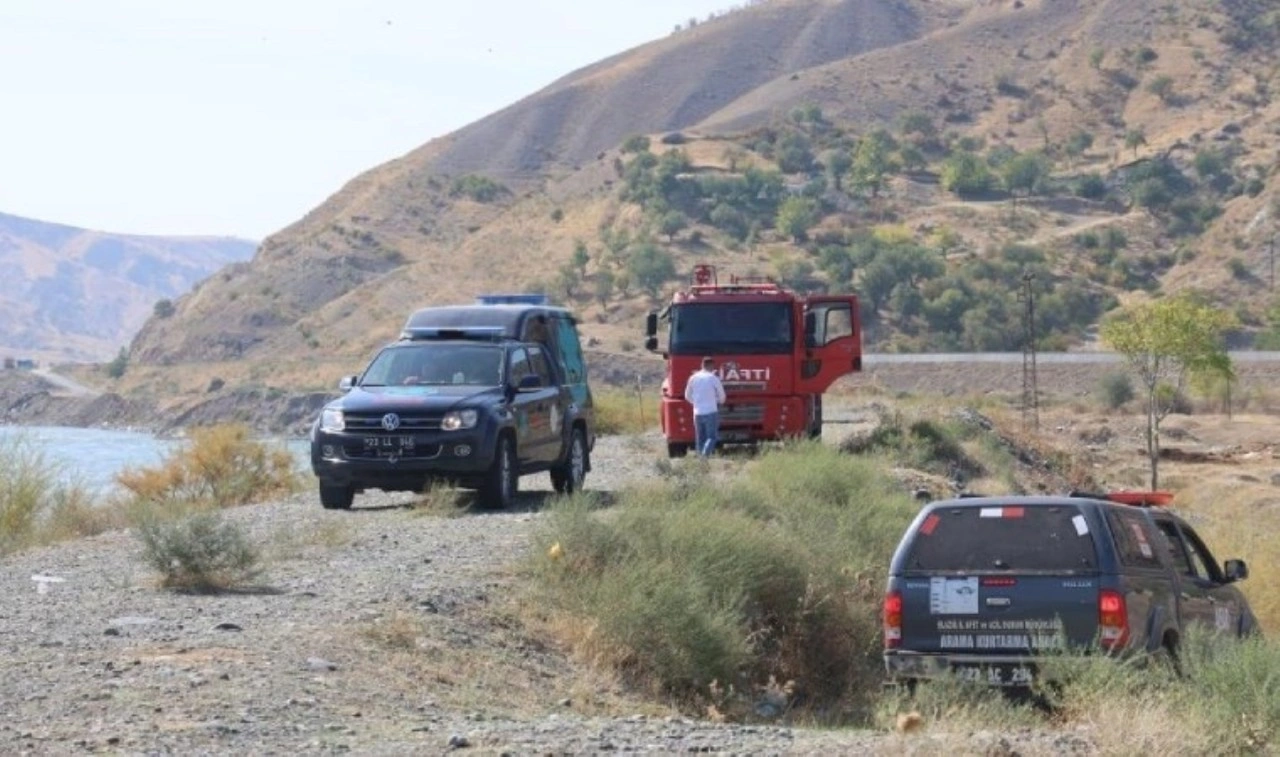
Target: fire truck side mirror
pixel 651 343
pixel 810 329
pixel 651 326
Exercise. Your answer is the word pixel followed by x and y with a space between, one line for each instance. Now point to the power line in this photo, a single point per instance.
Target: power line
pixel 1030 384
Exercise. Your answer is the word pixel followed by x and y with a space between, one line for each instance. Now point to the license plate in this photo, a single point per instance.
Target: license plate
pixel 735 436
pixel 995 675
pixel 389 445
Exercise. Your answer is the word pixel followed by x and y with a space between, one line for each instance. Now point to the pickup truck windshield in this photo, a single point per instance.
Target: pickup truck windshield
pixel 436 364
pixel 1008 538
pixel 752 328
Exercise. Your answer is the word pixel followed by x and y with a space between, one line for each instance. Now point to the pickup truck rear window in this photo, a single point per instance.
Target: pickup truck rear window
pixel 1012 537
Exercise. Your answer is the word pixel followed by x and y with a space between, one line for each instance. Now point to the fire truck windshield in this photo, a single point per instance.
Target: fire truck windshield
pixel 755 328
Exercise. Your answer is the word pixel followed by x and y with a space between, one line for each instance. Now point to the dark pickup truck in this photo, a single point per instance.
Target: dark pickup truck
pixel 984 587
pixel 470 395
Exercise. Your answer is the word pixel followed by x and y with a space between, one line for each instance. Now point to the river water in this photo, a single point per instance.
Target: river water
pixel 92 457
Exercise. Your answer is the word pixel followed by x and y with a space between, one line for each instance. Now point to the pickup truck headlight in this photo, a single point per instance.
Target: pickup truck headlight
pixel 458 420
pixel 331 420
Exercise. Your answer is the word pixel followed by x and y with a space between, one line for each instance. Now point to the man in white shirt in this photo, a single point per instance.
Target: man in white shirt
pixel 705 392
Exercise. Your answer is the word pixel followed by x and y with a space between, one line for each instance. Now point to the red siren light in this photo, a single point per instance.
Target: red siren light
pixel 1142 498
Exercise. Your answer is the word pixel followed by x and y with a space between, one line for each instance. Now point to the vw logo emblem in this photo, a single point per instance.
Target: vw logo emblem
pixel 391 421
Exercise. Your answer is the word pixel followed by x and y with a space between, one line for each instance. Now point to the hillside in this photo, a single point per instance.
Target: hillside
pixel 74 294
pixel 927 155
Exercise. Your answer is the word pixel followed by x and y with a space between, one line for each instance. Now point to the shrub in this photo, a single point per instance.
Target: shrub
pixel 37 506
pixel 1117 389
pixel 692 585
pixel 119 364
pixel 163 308
pixel 201 552
pixel 477 188
pixel 220 466
pixel 636 143
pixel 1091 186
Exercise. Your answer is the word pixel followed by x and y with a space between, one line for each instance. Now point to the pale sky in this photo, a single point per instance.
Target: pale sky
pixel 236 117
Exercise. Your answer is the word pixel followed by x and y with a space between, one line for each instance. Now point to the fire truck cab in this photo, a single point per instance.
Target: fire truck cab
pixel 775 351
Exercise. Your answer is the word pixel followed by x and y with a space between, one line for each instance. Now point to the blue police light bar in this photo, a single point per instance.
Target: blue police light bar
pixel 512 299
pixel 484 333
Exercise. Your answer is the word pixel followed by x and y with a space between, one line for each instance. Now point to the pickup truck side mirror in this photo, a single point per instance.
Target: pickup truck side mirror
pixel 529 382
pixel 1235 570
pixel 347 382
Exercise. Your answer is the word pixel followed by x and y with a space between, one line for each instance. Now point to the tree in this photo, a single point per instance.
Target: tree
pixel 795 153
pixel 837 163
pixel 119 364
pixel 1162 341
pixel 796 216
pixel 604 286
pixel 919 125
pixel 966 173
pixel 580 258
pixel 1024 173
pixel 872 161
pixel 651 267
pixel 672 223
pixel 567 280
pixel 1162 87
pixel 1077 143
pixel 1135 138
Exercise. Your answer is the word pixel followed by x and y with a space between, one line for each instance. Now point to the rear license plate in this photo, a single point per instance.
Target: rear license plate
pixel 995 675
pixel 735 436
pixel 389 445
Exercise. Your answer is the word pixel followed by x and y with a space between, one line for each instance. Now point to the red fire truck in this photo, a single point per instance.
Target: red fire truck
pixel 776 353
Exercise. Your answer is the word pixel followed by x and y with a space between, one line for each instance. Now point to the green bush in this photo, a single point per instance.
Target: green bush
pixel 691 585
pixel 201 552
pixel 477 188
pixel 1117 389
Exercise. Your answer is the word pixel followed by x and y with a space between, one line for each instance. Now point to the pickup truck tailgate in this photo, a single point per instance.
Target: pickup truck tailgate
pixel 1000 580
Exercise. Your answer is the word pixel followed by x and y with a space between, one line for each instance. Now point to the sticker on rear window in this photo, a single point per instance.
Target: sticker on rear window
pixel 1082 527
pixel 1143 546
pixel 929 524
pixel 953 596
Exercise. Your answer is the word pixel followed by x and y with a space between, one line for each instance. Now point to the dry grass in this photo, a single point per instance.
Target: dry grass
pixel 39 506
pixel 622 411
pixel 219 466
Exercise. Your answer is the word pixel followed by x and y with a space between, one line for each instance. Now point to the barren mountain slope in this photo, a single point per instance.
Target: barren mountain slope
pixel 69 293
pixel 1014 72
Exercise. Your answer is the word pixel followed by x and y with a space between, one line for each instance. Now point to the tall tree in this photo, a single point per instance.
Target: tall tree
pixel 1162 341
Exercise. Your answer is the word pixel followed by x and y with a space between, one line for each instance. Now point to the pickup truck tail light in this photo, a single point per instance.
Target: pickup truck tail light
pixel 893 620
pixel 1113 620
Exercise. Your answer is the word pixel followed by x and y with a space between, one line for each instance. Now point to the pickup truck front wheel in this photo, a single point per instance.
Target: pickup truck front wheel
pixel 567 478
pixel 336 497
pixel 502 480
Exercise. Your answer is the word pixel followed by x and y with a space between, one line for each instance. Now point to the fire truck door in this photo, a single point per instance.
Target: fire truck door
pixel 832 342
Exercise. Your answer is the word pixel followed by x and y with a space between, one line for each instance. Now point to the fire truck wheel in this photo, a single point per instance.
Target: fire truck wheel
pixel 677 449
pixel 815 431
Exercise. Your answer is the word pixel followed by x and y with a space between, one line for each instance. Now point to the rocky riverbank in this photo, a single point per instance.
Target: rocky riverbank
pixel 390 629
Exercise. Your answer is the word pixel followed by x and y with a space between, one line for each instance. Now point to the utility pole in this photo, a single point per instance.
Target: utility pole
pixel 1030 385
pixel 1272 248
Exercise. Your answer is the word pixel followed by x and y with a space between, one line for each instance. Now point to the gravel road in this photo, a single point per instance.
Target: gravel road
pixel 388 629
